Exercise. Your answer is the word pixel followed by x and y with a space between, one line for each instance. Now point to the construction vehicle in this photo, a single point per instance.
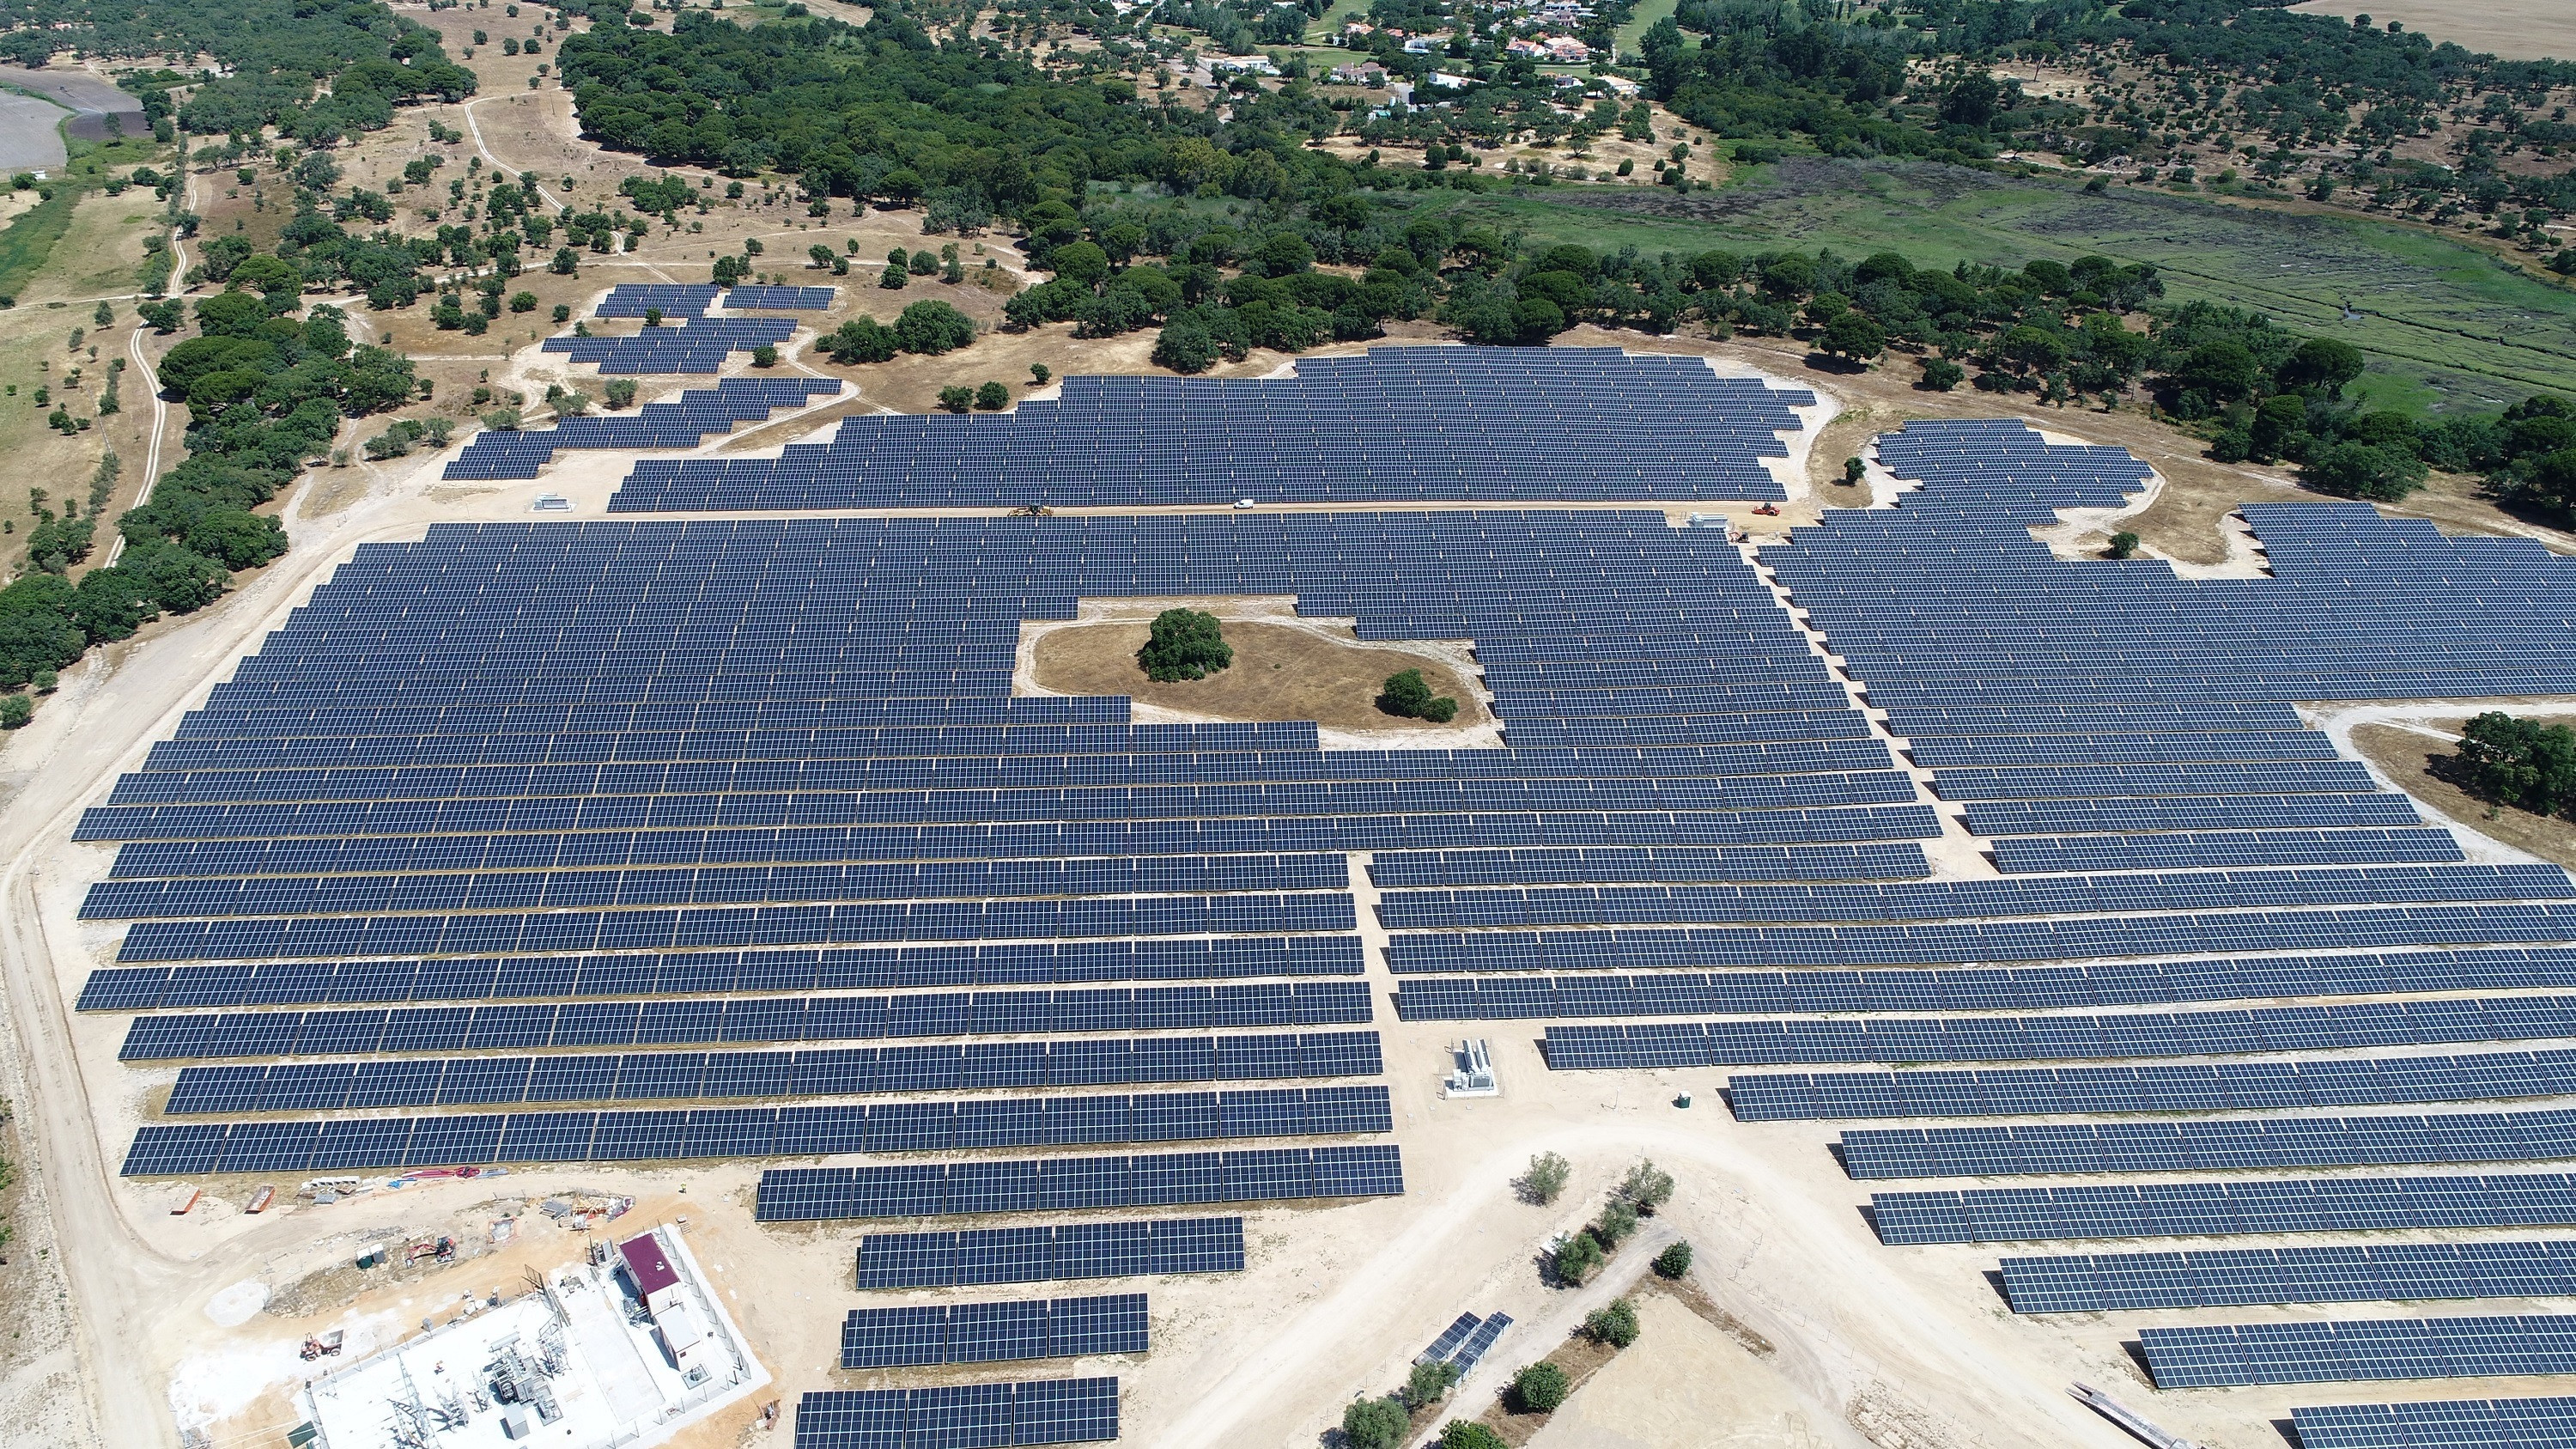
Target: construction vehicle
pixel 1033 510
pixel 1768 510
pixel 323 1345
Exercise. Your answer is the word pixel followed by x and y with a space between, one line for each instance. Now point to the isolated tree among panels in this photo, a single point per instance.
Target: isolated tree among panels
pixel 1184 644
pixel 1407 697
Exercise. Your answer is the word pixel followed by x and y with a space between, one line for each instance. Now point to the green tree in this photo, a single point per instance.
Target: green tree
pixel 1615 1325
pixel 1376 1423
pixel 1184 644
pixel 2365 470
pixel 992 397
pixel 1578 1256
pixel 620 392
pixel 1408 697
pixel 1545 1178
pixel 957 398
pixel 1038 374
pixel 1617 1223
pixel 1186 348
pixel 16 710
pixel 2517 762
pixel 1646 1187
pixel 765 355
pixel 1429 1383
pixel 1467 1434
pixel 1674 1261
pixel 933 328
pixel 1539 1388
pixel 861 339
pixel 2124 544
pixel 1940 374
pixel 1854 336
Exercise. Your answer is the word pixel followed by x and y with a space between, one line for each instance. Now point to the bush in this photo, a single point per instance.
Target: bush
pixel 15 711
pixel 1615 1325
pixel 1185 348
pixel 620 391
pixel 1407 697
pixel 1462 1434
pixel 957 399
pixel 1617 1223
pixel 1545 1179
pixel 1673 1261
pixel 1646 1187
pixel 1376 1423
pixel 2517 762
pixel 1940 374
pixel 932 328
pixel 1539 1388
pixel 2124 544
pixel 992 397
pixel 1039 372
pixel 2365 470
pixel 1578 1256
pixel 1429 1383
pixel 1184 644
pixel 862 339
pixel 765 355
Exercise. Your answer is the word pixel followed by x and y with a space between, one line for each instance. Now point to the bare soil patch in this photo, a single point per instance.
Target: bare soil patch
pixel 2514 29
pixel 2408 758
pixel 1280 672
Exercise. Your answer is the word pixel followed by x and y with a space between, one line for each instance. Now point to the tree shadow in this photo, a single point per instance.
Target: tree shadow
pixel 1840 366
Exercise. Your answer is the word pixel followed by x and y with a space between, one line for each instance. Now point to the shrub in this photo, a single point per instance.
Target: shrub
pixel 1673 1261
pixel 765 355
pixel 15 711
pixel 1940 374
pixel 1184 644
pixel 1429 1383
pixel 523 301
pixel 2124 544
pixel 1407 697
pixel 620 391
pixel 931 328
pixel 1539 1388
pixel 1615 1325
pixel 2365 470
pixel 1462 1434
pixel 1545 1178
pixel 1578 1256
pixel 992 397
pixel 1376 1423
pixel 1617 1223
pixel 1646 1187
pixel 957 399
pixel 862 339
pixel 1854 470
pixel 1039 373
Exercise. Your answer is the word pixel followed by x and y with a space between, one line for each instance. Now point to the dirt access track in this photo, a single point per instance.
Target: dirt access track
pixel 1902 1349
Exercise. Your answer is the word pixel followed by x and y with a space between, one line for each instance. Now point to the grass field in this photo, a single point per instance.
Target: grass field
pixel 2514 29
pixel 2447 325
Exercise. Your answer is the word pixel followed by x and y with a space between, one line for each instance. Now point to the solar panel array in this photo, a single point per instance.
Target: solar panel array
pixel 1480 1341
pixel 1447 1343
pixel 1067 1251
pixel 2194 1087
pixel 752 298
pixel 699 345
pixel 1055 1184
pixel 683 422
pixel 966 1416
pixel 2224 1355
pixel 1484 425
pixel 2225 1208
pixel 634 299
pixel 2455 1424
pixel 940 1333
pixel 2238 1277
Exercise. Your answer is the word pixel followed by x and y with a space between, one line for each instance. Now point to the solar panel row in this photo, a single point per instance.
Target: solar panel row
pixel 988 1185
pixel 2006 1038
pixel 848 1071
pixel 2208 1145
pixel 1048 1254
pixel 941 1333
pixel 2199 1087
pixel 2458 1424
pixel 2219 1209
pixel 685 1021
pixel 2224 1355
pixel 966 1416
pixel 344 1143
pixel 2237 1277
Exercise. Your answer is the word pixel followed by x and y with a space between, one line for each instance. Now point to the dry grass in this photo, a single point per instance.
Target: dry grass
pixel 2408 758
pixel 1280 672
pixel 2514 29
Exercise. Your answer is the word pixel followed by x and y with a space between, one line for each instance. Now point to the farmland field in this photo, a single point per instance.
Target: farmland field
pixel 2448 326
pixel 2514 29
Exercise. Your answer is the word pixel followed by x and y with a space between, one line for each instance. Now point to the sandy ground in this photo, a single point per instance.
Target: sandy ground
pixel 2514 29
pixel 1685 1385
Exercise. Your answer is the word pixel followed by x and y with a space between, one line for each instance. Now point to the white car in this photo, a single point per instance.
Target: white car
pixel 1243 503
